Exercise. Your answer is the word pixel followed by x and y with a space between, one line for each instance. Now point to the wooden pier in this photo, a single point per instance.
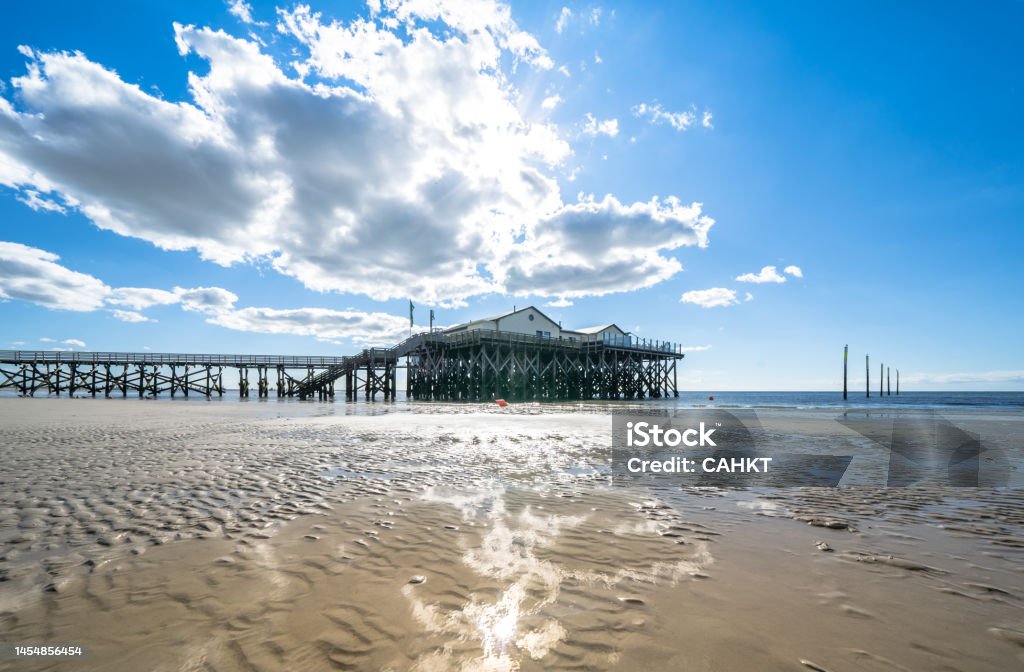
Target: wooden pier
pixel 465 366
pixel 483 365
pixel 153 374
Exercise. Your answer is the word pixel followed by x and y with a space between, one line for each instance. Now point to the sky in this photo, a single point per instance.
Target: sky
pixel 762 182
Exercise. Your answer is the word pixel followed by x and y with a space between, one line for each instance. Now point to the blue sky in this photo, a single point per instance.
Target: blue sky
pixel 281 208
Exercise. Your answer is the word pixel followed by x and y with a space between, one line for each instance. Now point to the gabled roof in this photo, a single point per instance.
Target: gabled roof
pixel 598 329
pixel 495 318
pixel 514 312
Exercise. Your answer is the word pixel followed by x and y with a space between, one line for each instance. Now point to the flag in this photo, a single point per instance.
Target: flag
pixel 411 308
pixel 431 318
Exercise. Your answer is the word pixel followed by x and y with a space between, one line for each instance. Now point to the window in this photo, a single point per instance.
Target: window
pixel 543 334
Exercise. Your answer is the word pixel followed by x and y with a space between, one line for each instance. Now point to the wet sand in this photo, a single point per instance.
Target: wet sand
pixel 205 536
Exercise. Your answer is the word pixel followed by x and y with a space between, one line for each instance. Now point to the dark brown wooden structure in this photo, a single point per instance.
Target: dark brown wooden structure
pixel 464 366
pixel 483 365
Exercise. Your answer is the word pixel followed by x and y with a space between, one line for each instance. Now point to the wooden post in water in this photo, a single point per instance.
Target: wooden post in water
pixel 867 376
pixel 846 353
pixel 897 382
pixel 881 380
pixel 888 383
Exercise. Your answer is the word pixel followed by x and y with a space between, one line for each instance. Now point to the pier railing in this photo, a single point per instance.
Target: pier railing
pixel 163 358
pixel 659 348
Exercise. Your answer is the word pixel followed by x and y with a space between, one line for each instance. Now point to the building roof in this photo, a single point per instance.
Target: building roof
pixel 598 329
pixel 495 318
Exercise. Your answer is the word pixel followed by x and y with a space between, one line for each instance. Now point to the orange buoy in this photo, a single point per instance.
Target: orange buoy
pixel 711 397
pixel 501 402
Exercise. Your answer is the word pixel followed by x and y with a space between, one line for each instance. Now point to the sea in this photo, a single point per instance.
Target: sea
pixel 686 399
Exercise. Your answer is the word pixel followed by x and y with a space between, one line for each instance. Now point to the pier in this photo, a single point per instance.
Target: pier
pixel 462 366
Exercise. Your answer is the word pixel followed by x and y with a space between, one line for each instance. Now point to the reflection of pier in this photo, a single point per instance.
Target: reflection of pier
pixel 465 366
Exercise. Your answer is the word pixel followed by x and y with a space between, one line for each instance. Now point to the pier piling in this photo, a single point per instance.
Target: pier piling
pixel 846 354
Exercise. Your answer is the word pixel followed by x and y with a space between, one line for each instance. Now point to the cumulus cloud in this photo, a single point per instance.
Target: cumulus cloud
pixel 794 271
pixel 623 241
pixel 140 298
pixel 209 300
pixel 766 274
pixel 593 127
pixel 706 120
pixel 321 323
pixel 694 348
pixel 33 275
pixel 395 139
pixel 710 298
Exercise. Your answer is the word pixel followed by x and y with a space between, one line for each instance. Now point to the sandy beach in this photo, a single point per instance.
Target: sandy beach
pixel 206 536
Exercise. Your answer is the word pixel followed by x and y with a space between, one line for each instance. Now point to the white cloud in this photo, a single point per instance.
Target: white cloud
pixel 242 10
pixel 706 120
pixel 593 127
pixel 694 348
pixel 597 58
pixel 321 323
pixel 33 275
pixel 595 16
pixel 400 144
pixel 209 300
pixel 39 279
pixel 595 247
pixel 766 274
pixel 748 297
pixel 40 203
pixel 710 298
pixel 658 115
pixel 130 316
pixel 794 271
pixel 559 303
pixel 551 102
pixel 563 20
pixel 140 298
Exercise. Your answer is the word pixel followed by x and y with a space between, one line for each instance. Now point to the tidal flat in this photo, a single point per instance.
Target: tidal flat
pixel 195 535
